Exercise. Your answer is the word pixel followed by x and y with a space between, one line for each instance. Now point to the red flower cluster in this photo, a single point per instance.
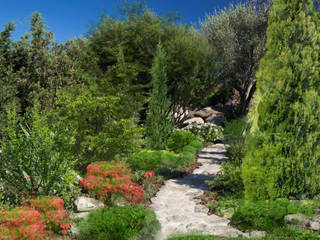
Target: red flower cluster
pixel 52 213
pixel 149 174
pixel 104 179
pixel 37 219
pixel 22 223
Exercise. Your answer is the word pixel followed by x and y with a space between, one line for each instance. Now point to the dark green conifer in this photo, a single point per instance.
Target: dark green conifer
pixel 283 154
pixel 159 123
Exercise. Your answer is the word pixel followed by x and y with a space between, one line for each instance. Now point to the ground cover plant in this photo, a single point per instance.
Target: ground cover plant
pixel 164 162
pixel 266 215
pixel 128 222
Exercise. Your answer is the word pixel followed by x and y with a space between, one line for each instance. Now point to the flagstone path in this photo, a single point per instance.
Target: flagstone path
pixel 177 204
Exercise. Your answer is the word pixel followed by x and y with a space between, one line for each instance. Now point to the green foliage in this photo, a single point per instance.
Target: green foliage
pixel 162 161
pixel 32 69
pixel 288 233
pixel 283 150
pixel 103 123
pixel 179 139
pixel 191 61
pixel 122 223
pixel 159 123
pixel 229 179
pixel 266 215
pixel 225 206
pixel 238 35
pixel 32 160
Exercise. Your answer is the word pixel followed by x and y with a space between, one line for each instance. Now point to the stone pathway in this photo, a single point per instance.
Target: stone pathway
pixel 177 206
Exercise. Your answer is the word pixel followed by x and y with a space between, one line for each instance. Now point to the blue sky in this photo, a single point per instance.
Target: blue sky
pixel 69 18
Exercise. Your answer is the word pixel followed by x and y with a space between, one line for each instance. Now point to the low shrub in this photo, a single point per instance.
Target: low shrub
pixel 161 161
pixel 121 223
pixel 22 223
pixel 38 218
pixel 179 139
pixel 266 215
pixel 105 180
pixel 52 213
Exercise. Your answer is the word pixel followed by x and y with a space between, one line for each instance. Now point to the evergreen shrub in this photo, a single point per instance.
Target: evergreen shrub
pixel 283 151
pixel 179 139
pixel 159 122
pixel 121 223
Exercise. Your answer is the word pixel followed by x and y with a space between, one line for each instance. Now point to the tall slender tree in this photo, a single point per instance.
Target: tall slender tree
pixel 159 123
pixel 283 157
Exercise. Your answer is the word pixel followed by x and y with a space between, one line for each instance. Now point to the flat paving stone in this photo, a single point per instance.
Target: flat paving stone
pixel 178 208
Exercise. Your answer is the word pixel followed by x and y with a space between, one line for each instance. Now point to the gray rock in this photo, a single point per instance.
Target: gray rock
pixel 74 231
pixel 314 226
pixel 79 215
pixel 297 219
pixel 215 118
pixel 86 204
pixel 195 119
pixel 258 234
pixel 202 113
pixel 201 209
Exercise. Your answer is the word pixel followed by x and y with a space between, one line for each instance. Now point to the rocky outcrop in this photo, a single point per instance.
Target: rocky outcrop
pixel 303 221
pixel 195 120
pixel 207 115
pixel 86 204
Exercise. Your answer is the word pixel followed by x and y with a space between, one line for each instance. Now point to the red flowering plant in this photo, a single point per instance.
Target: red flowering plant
pixel 149 174
pixel 52 213
pixel 107 179
pixel 22 223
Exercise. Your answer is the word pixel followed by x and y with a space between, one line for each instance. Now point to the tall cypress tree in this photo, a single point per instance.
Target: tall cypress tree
pixel 159 123
pixel 283 157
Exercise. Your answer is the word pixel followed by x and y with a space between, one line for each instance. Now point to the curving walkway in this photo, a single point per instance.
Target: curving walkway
pixel 176 204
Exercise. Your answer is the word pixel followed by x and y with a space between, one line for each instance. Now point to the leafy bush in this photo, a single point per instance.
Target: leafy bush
pixel 103 127
pixel 121 223
pixel 105 180
pixel 266 215
pixel 35 158
pixel 179 139
pixel 207 132
pixel 161 161
pixel 52 213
